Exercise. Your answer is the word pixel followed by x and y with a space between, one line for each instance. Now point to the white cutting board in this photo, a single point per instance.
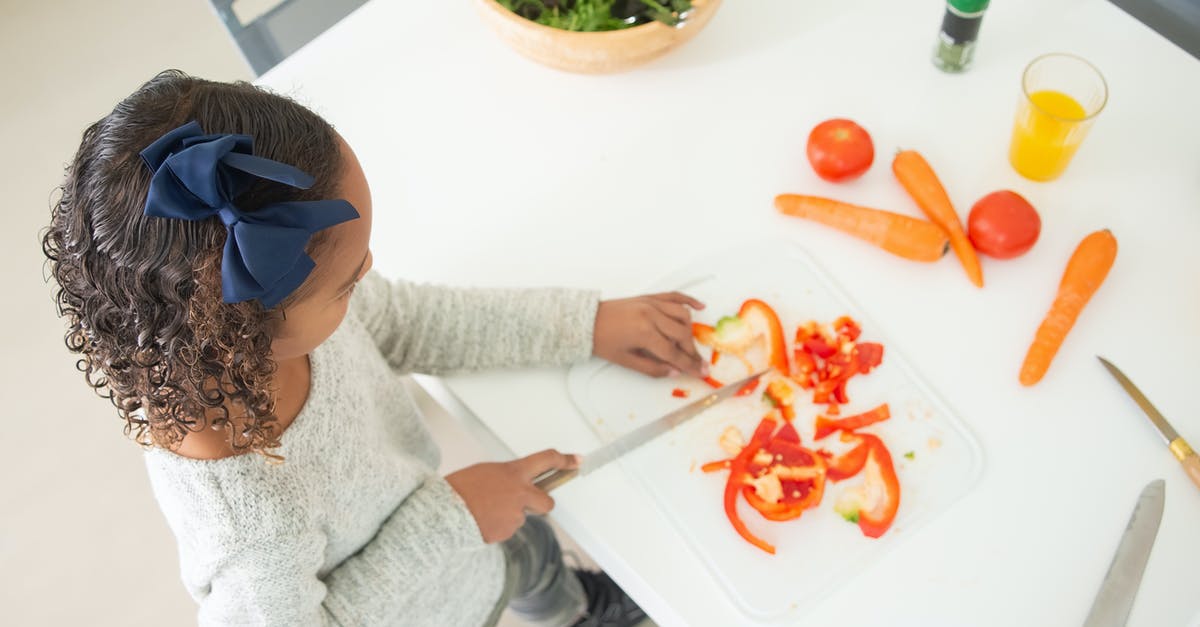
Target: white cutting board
pixel 819 551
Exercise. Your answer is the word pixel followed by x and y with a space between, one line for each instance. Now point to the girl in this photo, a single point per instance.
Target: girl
pixel 211 251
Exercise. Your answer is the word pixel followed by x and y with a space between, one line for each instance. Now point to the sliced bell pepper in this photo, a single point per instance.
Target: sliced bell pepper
pixel 679 393
pixel 779 394
pixel 720 464
pixel 867 355
pixel 846 327
pixel 759 315
pixel 873 505
pixel 849 463
pixel 825 425
pixel 737 479
pixel 788 433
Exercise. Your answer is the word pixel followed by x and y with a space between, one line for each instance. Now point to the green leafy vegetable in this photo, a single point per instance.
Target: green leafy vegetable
pixel 598 15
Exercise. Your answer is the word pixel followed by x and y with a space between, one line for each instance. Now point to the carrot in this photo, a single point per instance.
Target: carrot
pixel 1085 272
pixel 914 173
pixel 898 234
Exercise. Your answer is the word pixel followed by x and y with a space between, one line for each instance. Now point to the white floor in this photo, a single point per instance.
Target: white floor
pixel 81 539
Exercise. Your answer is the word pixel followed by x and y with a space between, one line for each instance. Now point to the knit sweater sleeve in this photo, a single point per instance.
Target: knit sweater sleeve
pixel 268 575
pixel 437 330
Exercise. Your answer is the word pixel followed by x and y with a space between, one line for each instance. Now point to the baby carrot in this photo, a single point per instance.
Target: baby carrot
pixel 1085 272
pixel 915 174
pixel 898 234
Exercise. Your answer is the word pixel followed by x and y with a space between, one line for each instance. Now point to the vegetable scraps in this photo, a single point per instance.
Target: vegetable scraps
pixel 775 474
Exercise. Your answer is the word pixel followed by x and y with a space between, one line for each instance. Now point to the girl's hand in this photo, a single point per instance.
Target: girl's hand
pixel 499 495
pixel 651 334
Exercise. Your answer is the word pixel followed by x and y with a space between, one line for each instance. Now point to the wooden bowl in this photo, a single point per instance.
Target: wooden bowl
pixel 594 53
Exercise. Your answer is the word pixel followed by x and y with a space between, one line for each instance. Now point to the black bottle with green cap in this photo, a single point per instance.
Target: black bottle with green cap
pixel 960 28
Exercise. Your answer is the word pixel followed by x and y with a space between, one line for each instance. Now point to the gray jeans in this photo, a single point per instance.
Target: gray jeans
pixel 538 586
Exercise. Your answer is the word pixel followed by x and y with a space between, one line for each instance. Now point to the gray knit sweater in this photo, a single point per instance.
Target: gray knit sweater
pixel 356 527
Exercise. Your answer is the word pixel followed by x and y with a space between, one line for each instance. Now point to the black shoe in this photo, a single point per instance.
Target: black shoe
pixel 607 603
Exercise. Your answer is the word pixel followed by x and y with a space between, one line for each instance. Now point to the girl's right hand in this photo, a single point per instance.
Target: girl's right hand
pixel 499 495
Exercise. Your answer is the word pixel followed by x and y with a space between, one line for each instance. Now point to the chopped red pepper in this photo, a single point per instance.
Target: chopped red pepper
pixel 845 326
pixel 759 315
pixel 788 433
pixel 849 463
pixel 780 395
pixel 720 464
pixel 737 476
pixel 679 393
pixel 874 504
pixel 868 355
pixel 825 426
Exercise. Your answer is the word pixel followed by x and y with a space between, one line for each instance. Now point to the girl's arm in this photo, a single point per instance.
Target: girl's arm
pixel 436 330
pixel 271 578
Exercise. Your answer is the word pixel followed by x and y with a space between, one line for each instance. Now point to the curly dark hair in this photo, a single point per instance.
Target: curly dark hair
pixel 142 295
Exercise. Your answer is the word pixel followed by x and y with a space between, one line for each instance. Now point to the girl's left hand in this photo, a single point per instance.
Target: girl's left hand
pixel 651 334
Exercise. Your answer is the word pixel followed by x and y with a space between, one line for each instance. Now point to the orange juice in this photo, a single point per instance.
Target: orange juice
pixel 1049 128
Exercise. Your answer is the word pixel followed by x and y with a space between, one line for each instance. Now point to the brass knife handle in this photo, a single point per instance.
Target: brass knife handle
pixel 1189 459
pixel 549 480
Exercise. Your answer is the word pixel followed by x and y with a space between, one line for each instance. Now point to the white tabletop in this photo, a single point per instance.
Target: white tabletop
pixel 490 170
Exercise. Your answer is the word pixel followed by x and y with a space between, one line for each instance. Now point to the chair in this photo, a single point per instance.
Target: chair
pixel 283 29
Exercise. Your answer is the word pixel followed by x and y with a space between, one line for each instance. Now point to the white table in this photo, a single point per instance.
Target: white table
pixel 490 170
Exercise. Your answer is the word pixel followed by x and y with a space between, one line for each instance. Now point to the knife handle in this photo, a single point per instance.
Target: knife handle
pixel 549 480
pixel 1187 457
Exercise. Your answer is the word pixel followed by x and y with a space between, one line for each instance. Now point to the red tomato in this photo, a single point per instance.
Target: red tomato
pixel 1003 225
pixel 840 150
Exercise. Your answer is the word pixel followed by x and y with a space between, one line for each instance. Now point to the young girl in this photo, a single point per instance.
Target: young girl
pixel 211 249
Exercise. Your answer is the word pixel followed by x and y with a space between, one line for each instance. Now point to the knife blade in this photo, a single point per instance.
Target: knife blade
pixel 611 451
pixel 1120 585
pixel 1178 446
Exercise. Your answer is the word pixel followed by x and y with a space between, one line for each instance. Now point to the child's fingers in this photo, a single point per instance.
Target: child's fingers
pixel 674 311
pixel 538 502
pixel 666 349
pixel 530 466
pixel 646 364
pixel 679 297
pixel 681 336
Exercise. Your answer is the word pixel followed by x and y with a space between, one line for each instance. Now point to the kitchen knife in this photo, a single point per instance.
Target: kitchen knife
pixel 607 453
pixel 1179 447
pixel 1120 585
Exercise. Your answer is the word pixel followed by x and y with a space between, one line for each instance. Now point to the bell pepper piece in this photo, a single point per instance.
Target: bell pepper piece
pixel 867 355
pixel 703 333
pixel 679 393
pixel 873 505
pixel 737 479
pixel 849 463
pixel 777 511
pixel 846 327
pixel 760 316
pixel 720 464
pixel 779 394
pixel 825 425
pixel 818 347
pixel 788 433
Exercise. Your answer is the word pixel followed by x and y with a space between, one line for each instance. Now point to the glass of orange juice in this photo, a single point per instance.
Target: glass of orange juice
pixel 1061 95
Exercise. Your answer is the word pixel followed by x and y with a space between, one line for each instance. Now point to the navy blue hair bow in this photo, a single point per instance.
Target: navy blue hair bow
pixel 197 176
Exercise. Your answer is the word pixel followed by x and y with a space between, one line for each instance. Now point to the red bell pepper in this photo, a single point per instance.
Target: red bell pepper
pixel 825 425
pixel 788 433
pixel 679 393
pixel 737 478
pixel 759 315
pixel 867 355
pixel 846 327
pixel 874 504
pixel 849 463
pixel 779 394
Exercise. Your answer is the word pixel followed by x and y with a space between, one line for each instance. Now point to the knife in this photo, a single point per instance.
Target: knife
pixel 1120 585
pixel 607 453
pixel 1179 447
